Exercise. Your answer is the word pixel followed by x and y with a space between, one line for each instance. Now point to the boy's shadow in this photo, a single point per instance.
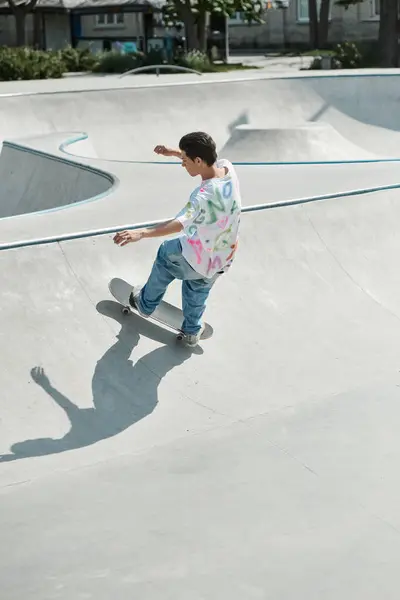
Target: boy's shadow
pixel 123 392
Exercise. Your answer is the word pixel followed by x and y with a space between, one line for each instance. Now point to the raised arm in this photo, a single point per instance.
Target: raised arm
pixel 122 238
pixel 165 151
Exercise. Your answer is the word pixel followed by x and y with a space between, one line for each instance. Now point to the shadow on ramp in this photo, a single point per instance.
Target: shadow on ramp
pixel 123 392
pixel 241 119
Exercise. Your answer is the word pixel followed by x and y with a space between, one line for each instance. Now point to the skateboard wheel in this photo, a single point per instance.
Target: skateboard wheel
pixel 126 310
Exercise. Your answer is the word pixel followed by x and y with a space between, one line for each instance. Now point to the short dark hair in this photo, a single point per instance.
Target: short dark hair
pixel 199 145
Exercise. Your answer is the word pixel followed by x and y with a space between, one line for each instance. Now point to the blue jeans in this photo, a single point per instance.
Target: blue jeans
pixel 169 265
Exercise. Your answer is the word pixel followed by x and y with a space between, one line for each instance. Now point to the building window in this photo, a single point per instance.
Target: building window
pixel 110 19
pixel 239 19
pixel 375 9
pixel 302 10
pixel 236 19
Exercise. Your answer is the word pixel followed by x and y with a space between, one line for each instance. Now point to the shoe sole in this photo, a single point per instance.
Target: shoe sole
pixel 181 337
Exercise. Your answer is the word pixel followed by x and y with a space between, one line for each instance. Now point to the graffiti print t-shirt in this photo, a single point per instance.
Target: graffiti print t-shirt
pixel 211 223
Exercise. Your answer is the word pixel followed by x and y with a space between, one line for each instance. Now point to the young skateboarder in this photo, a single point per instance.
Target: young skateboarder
pixel 208 225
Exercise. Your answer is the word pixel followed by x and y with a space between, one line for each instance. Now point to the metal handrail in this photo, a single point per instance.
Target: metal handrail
pixel 158 67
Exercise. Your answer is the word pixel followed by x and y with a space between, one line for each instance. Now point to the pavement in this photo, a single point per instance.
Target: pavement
pixel 264 463
pixel 273 61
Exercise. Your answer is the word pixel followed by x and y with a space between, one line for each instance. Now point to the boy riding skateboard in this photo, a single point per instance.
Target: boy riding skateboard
pixel 208 224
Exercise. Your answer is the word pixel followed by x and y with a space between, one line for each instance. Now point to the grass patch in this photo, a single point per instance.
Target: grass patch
pixel 318 53
pixel 224 68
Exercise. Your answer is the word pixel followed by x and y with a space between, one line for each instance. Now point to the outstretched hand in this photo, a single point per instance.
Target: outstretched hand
pixel 164 150
pixel 122 238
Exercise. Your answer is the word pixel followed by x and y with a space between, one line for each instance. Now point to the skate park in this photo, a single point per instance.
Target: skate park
pixel 263 464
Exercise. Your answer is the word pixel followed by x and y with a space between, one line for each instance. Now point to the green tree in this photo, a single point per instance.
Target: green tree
pixel 194 13
pixel 388 30
pixel 388 33
pixel 20 9
pixel 319 22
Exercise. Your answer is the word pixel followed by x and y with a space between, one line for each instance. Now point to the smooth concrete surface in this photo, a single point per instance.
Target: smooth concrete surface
pixel 138 196
pixel 37 181
pixel 348 104
pixel 305 143
pixel 261 465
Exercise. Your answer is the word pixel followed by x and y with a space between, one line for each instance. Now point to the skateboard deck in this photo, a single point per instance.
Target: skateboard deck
pixel 166 314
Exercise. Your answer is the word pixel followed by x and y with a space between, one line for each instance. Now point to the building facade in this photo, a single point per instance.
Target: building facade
pixel 105 28
pixel 93 24
pixel 290 26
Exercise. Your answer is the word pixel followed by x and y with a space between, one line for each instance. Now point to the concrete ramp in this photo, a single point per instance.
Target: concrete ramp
pixel 33 180
pixel 352 105
pixel 263 464
pixel 313 142
pixel 285 421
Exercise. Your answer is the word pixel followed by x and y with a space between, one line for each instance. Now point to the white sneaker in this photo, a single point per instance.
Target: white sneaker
pixel 134 302
pixel 192 339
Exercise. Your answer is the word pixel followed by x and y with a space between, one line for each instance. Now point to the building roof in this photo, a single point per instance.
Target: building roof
pixel 87 4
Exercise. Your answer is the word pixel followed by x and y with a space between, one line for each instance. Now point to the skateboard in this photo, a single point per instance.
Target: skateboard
pixel 166 314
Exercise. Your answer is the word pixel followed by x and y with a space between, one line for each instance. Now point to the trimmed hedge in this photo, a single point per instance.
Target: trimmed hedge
pixel 25 63
pixel 114 62
pixel 78 59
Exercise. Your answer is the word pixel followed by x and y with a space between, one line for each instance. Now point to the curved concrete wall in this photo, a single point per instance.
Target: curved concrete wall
pixel 32 180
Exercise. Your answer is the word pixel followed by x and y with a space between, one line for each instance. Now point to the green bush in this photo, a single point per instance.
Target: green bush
pixel 347 56
pixel 78 59
pixel 26 63
pixel 344 56
pixel 199 61
pixel 115 62
pixel 154 57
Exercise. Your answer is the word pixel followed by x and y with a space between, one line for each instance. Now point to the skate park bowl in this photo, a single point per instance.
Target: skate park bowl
pixel 33 180
pixel 262 464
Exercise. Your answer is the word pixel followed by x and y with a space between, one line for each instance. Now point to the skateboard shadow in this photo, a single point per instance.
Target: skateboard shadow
pixel 123 392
